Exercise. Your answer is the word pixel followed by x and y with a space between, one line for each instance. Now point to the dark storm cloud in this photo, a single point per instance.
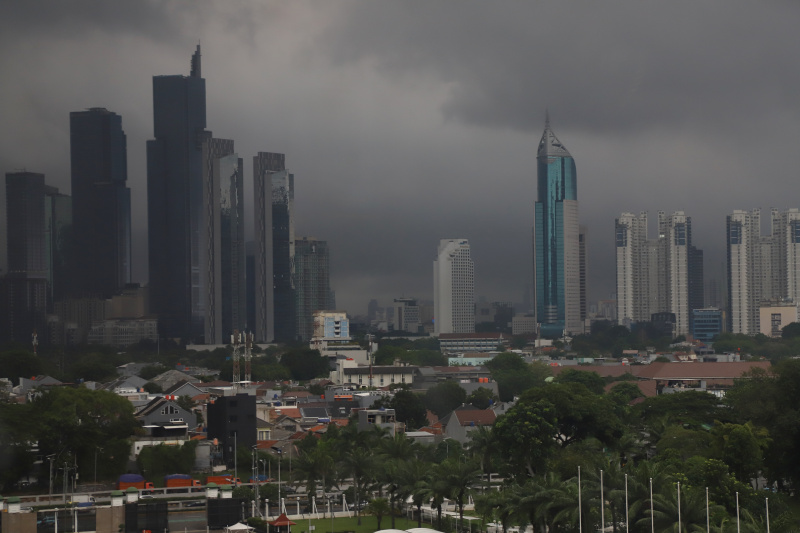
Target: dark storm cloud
pixel 408 122
pixel 612 66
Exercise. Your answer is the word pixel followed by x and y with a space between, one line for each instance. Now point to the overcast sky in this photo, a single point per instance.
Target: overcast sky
pixel 408 122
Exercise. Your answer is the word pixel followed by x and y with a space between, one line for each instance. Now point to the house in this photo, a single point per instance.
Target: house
pixel 184 388
pixel 384 418
pixel 163 417
pixel 459 423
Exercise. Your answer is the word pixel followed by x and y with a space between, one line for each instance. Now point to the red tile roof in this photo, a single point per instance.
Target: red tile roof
pixel 676 371
pixel 477 417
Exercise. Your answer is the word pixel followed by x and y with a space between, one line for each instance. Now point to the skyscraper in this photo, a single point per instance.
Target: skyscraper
pixel 175 202
pixel 24 288
pixel 222 281
pixel 285 312
pixel 265 166
pixel 632 268
pixel 454 288
pixel 556 241
pixel 312 282
pixel 59 246
pixel 101 200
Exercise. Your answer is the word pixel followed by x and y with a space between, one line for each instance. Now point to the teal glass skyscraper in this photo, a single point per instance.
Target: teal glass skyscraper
pixel 557 260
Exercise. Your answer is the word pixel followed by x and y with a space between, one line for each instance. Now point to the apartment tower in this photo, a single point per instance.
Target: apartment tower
pixel 454 288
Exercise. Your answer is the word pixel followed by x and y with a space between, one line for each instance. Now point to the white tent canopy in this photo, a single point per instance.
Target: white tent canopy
pixel 239 528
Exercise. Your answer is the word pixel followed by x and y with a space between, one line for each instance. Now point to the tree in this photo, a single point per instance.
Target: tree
pixel 482 445
pixel 359 464
pixel 84 422
pixel 152 387
pixel 514 376
pixel 444 397
pixel 315 466
pixel 408 408
pixel 458 477
pixel 15 364
pixel 579 413
pixel 305 364
pixel 158 461
pixel 791 331
pixel 526 434
pixel 591 380
pixel 482 398
pixel 379 507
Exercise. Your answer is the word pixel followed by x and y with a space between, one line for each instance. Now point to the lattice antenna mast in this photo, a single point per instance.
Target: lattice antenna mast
pixel 248 355
pixel 369 356
pixel 235 340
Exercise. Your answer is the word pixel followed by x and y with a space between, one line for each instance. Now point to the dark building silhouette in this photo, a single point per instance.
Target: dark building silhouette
pixel 250 284
pixel 312 280
pixel 175 203
pixel 268 168
pixel 285 314
pixel 23 291
pixel 222 268
pixel 101 204
pixel 58 243
pixel 232 420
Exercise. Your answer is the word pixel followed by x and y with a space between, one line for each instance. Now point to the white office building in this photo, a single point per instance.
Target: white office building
pixel 454 288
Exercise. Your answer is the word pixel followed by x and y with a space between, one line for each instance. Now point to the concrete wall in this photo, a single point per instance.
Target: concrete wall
pixel 19 523
pixel 109 519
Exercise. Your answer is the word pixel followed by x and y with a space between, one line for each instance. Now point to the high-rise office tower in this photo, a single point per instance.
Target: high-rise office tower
pixel 761 268
pixel 250 283
pixel 285 313
pixel 101 216
pixel 265 166
pixel 661 275
pixel 454 288
pixel 59 246
pixel 312 282
pixel 175 206
pixel 24 288
pixel 556 240
pixel 222 299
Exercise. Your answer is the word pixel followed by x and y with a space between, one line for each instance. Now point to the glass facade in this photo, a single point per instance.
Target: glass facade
pixel 555 234
pixel 101 217
pixel 175 201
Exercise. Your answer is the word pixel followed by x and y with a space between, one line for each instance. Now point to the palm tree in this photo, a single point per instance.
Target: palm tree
pixel 482 444
pixel 540 500
pixel 379 507
pixel 459 477
pixel 639 477
pixel 315 466
pixel 692 510
pixel 410 480
pixel 359 464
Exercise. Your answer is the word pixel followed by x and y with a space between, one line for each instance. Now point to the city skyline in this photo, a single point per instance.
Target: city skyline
pixel 381 126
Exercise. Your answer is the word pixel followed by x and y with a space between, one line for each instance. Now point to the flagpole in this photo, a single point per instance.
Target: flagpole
pixel 580 521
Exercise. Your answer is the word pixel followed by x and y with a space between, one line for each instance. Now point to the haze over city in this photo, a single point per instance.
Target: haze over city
pixel 408 122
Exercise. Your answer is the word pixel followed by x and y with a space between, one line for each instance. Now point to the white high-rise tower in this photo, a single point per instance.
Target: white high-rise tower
pixel 454 288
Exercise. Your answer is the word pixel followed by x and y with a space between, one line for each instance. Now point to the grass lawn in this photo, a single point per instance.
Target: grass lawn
pixel 369 524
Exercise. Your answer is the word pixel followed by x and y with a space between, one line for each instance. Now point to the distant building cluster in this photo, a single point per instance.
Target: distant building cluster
pixel 70 260
pixel 661 279
pixel 69 257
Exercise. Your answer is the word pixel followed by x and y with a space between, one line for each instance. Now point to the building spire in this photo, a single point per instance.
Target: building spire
pixel 195 73
pixel 550 146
